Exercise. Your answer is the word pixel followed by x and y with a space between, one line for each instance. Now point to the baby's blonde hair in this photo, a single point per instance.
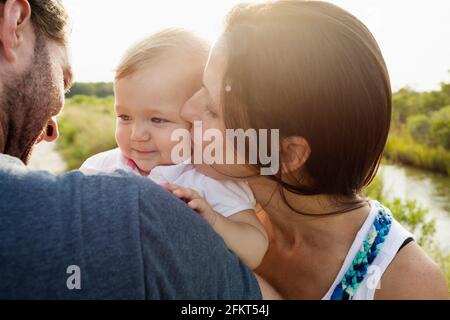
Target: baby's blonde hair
pixel 156 46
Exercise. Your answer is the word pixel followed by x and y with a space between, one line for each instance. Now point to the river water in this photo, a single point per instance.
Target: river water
pixel 428 189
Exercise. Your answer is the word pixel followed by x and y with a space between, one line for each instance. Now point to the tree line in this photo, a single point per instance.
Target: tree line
pixel 97 89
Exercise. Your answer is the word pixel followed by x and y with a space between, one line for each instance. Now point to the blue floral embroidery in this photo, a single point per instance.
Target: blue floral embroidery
pixel 367 253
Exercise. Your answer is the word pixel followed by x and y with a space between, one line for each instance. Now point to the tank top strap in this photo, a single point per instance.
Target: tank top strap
pixel 374 248
pixel 368 251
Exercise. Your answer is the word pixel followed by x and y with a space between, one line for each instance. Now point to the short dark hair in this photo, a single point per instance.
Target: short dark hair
pixel 50 18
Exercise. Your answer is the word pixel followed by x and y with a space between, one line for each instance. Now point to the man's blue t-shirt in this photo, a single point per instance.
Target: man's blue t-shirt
pixel 112 236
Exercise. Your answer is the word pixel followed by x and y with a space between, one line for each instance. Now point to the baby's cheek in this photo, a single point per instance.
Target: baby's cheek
pixel 167 154
pixel 122 138
pixel 169 144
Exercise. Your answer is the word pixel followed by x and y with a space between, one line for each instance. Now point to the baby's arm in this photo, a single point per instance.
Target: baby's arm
pixel 242 232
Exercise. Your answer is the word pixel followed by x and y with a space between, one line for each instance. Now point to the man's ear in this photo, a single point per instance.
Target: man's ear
pixel 50 132
pixel 14 15
pixel 295 152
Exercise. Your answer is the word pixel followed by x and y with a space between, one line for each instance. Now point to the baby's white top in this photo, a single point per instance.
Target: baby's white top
pixel 225 197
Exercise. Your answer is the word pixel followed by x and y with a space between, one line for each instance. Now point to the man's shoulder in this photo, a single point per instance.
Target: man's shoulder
pixel 129 237
pixel 72 191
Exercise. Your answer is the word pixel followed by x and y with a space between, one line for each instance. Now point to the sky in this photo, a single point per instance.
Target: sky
pixel 414 35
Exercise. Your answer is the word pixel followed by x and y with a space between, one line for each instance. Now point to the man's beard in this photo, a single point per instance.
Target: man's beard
pixel 26 104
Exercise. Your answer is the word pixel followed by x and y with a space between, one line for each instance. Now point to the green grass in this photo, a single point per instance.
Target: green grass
pixel 403 149
pixel 87 127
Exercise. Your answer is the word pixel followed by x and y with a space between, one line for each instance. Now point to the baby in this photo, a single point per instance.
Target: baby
pixel 153 81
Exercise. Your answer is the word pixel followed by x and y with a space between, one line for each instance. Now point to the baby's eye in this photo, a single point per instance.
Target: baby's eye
pixel 159 120
pixel 124 117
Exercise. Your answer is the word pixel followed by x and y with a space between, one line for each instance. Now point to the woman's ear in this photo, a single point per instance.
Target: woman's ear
pixel 14 15
pixel 50 132
pixel 295 151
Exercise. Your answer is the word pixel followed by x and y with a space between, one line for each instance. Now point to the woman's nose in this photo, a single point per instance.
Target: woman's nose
pixel 189 111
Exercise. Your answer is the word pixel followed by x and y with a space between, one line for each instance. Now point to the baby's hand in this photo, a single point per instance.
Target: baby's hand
pixel 193 200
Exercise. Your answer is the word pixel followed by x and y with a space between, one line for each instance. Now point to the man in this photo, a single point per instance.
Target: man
pixel 76 236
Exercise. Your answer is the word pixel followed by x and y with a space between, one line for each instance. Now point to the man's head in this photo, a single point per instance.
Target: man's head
pixel 34 72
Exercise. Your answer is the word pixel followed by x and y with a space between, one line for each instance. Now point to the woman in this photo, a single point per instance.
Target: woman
pixel 313 71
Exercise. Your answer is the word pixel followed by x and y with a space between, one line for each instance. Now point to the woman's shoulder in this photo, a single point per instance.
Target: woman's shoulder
pixel 412 275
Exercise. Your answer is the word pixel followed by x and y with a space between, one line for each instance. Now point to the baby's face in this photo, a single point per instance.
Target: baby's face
pixel 147 105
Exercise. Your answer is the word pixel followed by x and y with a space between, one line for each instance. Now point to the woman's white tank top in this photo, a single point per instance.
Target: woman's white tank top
pixel 371 282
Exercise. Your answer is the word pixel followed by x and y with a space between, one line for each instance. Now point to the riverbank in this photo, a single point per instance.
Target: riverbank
pixel 429 190
pixel 404 150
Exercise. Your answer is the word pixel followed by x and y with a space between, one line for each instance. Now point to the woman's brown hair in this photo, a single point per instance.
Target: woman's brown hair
pixel 310 69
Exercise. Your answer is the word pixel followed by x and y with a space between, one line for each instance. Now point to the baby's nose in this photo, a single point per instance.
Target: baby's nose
pixel 140 133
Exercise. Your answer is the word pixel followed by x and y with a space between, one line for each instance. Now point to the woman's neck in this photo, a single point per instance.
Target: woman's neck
pixel 305 252
pixel 315 228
